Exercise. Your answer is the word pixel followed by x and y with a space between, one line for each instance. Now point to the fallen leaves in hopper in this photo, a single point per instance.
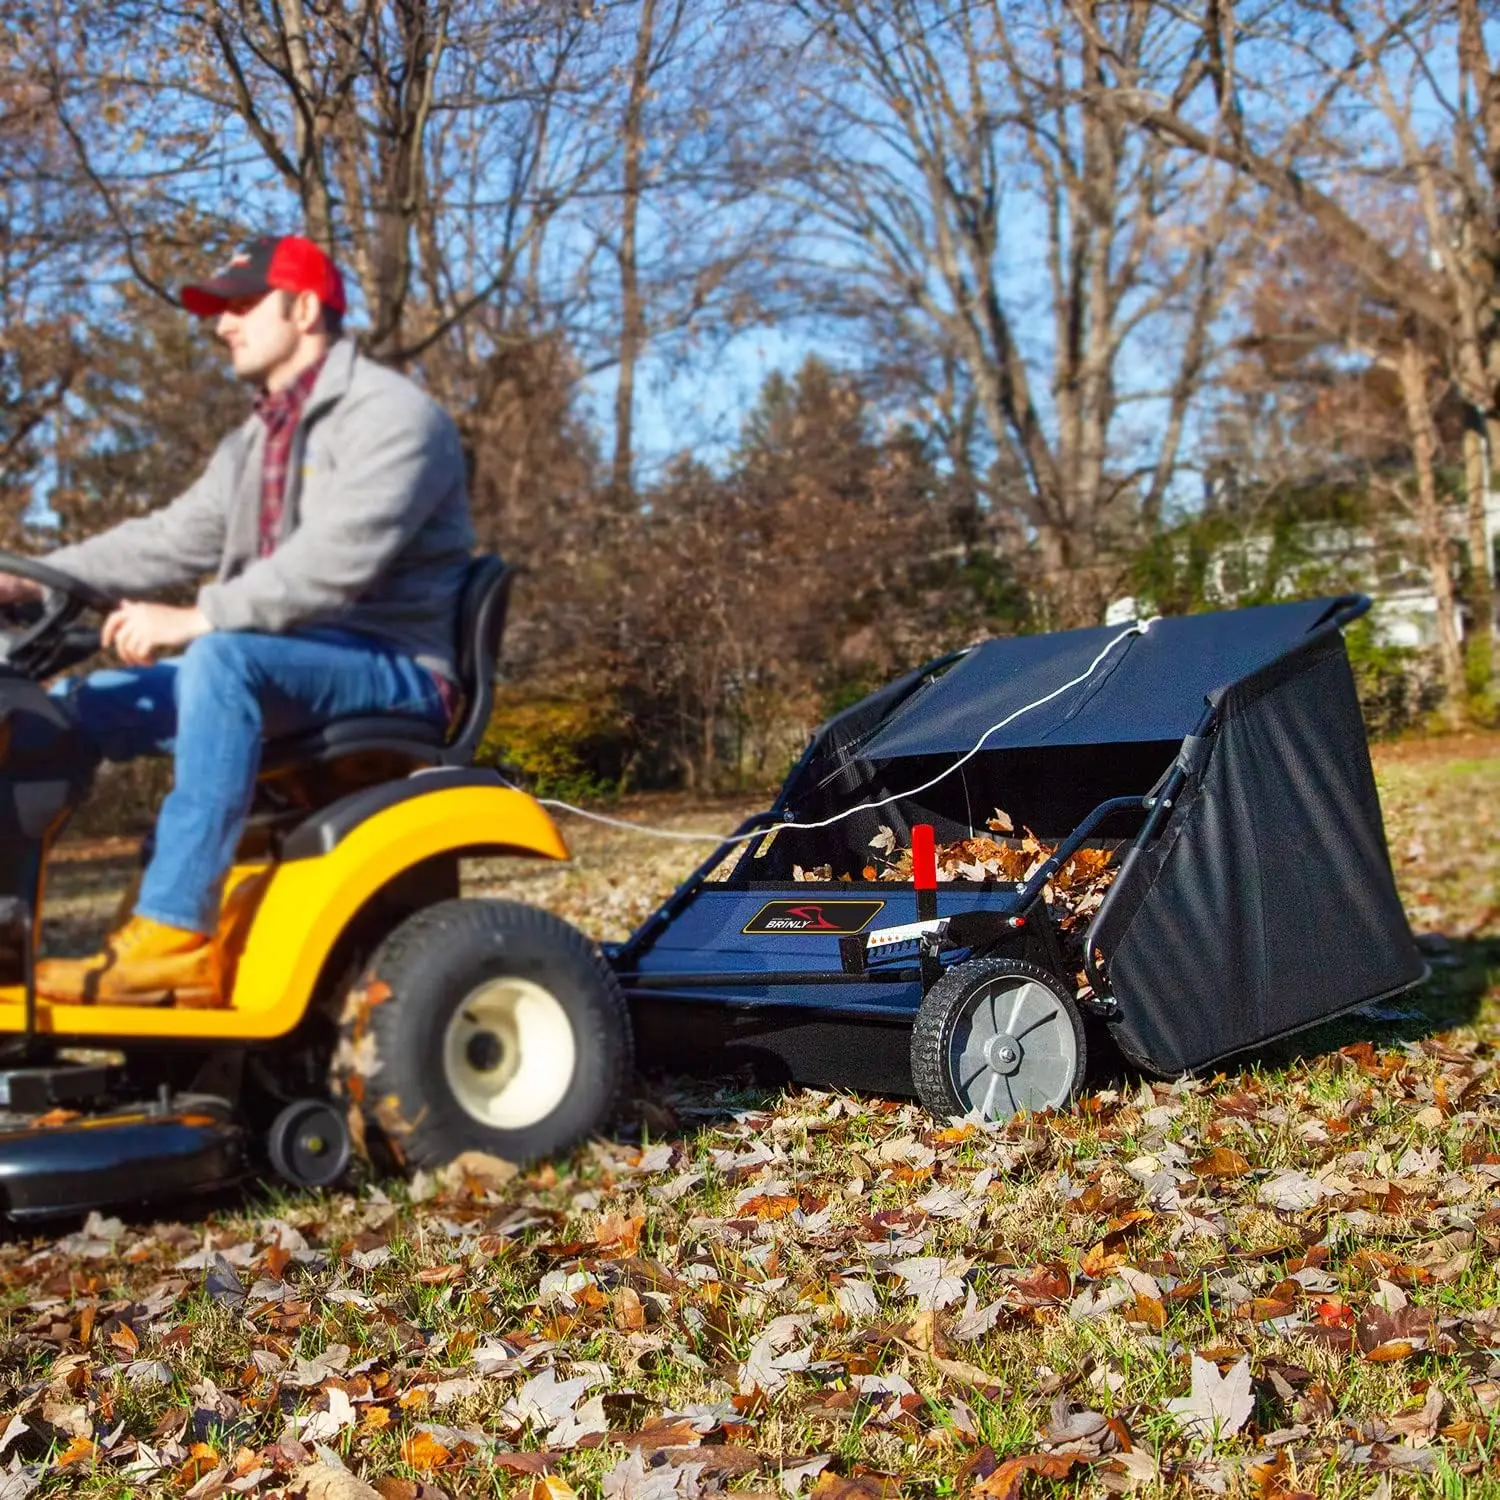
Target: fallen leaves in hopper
pixel 1074 892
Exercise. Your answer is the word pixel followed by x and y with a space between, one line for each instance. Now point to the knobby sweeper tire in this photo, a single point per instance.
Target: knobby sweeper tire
pixel 995 1036
pixel 482 1026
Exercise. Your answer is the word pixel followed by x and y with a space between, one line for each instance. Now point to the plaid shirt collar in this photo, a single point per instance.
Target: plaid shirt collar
pixel 279 409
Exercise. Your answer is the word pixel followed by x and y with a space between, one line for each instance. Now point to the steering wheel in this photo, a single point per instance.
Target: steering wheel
pixel 46 639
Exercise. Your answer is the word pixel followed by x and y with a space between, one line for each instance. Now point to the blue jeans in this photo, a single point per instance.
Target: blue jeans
pixel 211 708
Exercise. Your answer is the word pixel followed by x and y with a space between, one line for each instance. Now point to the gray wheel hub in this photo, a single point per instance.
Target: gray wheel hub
pixel 1013 1049
pixel 1003 1054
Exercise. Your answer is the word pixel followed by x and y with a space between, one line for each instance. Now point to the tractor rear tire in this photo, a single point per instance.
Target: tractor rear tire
pixel 482 1025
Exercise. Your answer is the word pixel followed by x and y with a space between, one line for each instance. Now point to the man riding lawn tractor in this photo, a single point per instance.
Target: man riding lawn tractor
pixel 336 523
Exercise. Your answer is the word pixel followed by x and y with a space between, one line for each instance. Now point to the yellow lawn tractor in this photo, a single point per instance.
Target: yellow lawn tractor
pixel 362 1004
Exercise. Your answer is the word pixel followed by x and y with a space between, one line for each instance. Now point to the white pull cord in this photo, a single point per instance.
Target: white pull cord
pixel 1140 628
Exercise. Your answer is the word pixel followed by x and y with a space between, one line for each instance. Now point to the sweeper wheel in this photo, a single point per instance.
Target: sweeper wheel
pixel 995 1036
pixel 483 1026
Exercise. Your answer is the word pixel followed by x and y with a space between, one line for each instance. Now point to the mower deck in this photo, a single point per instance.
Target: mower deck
pixel 187 1147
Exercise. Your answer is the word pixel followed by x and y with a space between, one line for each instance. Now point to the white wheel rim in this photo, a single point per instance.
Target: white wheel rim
pixel 509 1053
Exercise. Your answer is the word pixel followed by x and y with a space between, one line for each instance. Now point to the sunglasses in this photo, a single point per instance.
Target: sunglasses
pixel 239 306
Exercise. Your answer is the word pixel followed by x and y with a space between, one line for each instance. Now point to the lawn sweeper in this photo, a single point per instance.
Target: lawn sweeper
pixel 905 918
pixel 1215 766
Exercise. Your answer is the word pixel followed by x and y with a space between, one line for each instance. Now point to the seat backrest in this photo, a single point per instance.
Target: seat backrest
pixel 481 626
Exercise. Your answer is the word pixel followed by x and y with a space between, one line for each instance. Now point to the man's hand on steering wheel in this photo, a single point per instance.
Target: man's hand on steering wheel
pixel 45 639
pixel 137 632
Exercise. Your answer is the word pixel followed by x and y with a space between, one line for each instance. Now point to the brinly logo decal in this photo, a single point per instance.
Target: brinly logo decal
pixel 842 917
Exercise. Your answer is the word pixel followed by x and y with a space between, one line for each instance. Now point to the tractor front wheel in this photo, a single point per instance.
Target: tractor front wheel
pixel 482 1026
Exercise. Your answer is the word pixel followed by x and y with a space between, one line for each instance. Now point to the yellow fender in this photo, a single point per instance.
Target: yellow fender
pixel 307 904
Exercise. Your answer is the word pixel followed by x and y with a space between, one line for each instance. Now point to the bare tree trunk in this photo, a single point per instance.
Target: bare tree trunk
pixel 632 306
pixel 1072 585
pixel 1374 52
pixel 311 124
pixel 988 105
pixel 1413 375
pixel 710 744
pixel 1479 472
pixel 422 37
pixel 1481 587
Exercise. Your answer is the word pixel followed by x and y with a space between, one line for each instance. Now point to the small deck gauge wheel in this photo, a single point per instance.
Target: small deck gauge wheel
pixel 309 1144
pixel 996 1036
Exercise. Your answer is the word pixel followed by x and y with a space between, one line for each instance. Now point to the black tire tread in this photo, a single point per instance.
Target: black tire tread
pixel 940 1010
pixel 447 924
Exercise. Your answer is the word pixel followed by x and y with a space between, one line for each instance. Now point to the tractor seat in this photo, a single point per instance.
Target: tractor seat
pixel 481 624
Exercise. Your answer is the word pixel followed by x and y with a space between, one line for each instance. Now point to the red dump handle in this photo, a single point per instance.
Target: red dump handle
pixel 924 870
pixel 923 857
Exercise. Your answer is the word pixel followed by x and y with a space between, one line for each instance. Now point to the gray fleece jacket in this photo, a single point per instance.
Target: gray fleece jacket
pixel 375 529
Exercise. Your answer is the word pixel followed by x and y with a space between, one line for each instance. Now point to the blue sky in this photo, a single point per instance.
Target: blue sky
pixel 703 409
pixel 700 403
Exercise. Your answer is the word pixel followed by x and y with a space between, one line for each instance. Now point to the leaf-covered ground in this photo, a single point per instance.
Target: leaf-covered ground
pixel 1273 1283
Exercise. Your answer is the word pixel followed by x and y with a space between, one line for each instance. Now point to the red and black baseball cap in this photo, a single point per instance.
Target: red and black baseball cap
pixel 285 263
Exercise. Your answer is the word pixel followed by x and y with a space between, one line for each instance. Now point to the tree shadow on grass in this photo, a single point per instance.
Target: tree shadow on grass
pixel 669 1105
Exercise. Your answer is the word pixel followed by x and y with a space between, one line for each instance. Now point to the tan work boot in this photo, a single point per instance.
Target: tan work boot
pixel 144 963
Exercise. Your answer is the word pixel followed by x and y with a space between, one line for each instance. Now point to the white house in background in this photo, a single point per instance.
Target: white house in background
pixel 1388 568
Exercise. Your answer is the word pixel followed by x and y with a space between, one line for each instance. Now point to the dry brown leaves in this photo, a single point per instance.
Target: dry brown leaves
pixel 1073 894
pixel 1236 1286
